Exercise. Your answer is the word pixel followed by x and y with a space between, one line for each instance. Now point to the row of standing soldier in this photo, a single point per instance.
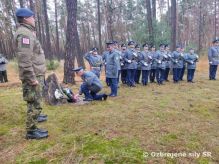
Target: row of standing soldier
pixel 131 63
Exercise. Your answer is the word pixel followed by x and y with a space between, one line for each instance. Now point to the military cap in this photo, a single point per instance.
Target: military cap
pixel 109 43
pixel 178 46
pixel 162 45
pixel 152 46
pixel 115 42
pixel 95 49
pixel 77 69
pixel 166 45
pixel 137 46
pixel 24 12
pixel 131 43
pixel 123 45
pixel 145 45
pixel 215 40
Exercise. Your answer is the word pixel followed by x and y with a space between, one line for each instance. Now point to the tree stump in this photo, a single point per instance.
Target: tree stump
pixel 51 85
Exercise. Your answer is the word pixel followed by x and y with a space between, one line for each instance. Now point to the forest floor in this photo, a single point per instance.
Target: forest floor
pixel 135 127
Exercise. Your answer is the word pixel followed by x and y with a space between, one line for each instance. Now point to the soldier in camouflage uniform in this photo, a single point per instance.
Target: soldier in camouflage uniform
pixel 31 63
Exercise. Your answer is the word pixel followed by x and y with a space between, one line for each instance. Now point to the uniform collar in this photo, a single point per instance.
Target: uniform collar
pixel 27 26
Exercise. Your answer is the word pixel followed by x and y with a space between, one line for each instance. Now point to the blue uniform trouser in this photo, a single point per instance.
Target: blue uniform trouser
pixel 113 83
pixel 145 75
pixel 137 76
pixel 212 72
pixel 190 74
pixel 89 94
pixel 182 73
pixel 159 75
pixel 131 77
pixel 123 76
pixel 119 73
pixel 176 74
pixel 166 74
pixel 152 75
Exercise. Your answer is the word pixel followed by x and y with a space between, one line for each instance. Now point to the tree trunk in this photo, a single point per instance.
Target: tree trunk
pixel 173 24
pixel 48 43
pixel 149 19
pixel 57 30
pixel 32 7
pixel 200 31
pixel 154 9
pixel 99 26
pixel 215 19
pixel 21 3
pixel 70 46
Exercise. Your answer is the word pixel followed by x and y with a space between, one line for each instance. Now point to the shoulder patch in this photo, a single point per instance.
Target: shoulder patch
pixel 25 42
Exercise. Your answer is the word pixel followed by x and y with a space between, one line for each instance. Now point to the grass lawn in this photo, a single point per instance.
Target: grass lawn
pixel 132 128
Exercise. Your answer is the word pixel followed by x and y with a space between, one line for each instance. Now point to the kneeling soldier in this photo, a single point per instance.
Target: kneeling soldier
pixel 91 85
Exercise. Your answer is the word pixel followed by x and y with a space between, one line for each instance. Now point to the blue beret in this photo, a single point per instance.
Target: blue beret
pixel 131 43
pixel 77 69
pixel 24 12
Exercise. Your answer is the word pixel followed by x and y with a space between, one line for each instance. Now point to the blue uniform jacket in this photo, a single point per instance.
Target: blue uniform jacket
pixel 146 60
pixel 191 60
pixel 130 58
pixel 92 81
pixel 154 60
pixel 168 60
pixel 161 59
pixel 112 64
pixel 213 55
pixel 177 59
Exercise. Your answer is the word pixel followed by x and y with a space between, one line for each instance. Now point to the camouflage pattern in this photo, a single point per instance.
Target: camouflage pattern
pixel 31 63
pixel 32 94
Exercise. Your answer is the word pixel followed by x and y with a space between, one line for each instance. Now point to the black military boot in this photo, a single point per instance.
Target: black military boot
pixel 43 115
pixel 35 134
pixel 42 130
pixel 41 119
pixel 105 97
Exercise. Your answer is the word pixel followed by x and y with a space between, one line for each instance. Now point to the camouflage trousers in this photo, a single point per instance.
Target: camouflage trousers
pixel 33 96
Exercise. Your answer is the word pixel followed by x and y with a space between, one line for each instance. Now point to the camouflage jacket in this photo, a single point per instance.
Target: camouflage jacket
pixel 30 55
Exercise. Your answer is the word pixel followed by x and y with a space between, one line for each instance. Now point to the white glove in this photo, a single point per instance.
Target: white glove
pixel 159 62
pixel 165 56
pixel 150 57
pixel 197 56
pixel 129 61
pixel 210 62
pixel 135 54
pixel 176 61
pixel 122 64
pixel 145 64
pixel 192 62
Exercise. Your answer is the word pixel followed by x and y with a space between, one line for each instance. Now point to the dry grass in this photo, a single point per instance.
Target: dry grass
pixel 169 118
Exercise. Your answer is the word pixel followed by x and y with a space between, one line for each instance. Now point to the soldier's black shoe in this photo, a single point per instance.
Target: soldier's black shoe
pixel 42 130
pixel 43 115
pixel 88 99
pixel 105 97
pixel 36 135
pixel 41 119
